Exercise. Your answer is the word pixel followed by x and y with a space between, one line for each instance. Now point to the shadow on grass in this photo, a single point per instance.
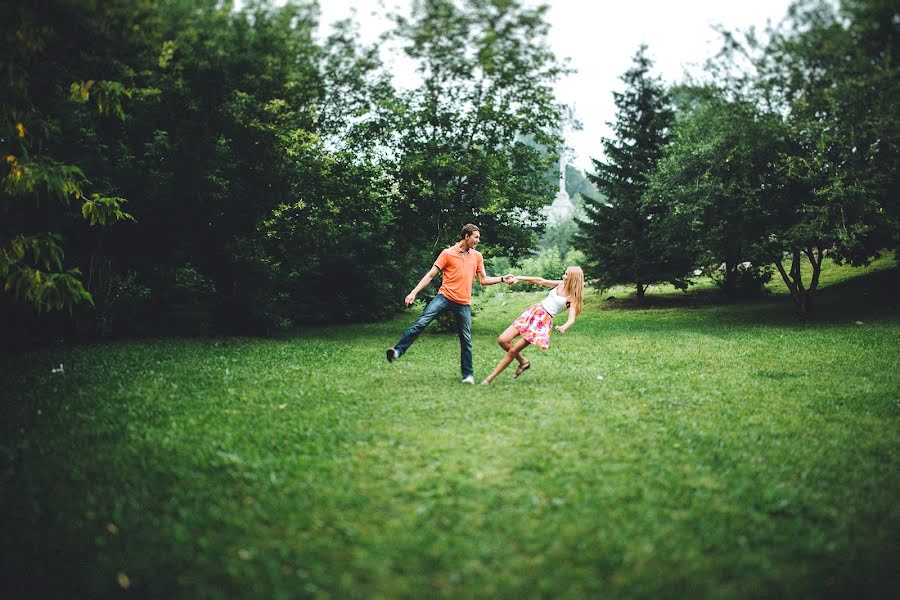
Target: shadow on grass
pixel 700 298
pixel 874 295
pixel 129 517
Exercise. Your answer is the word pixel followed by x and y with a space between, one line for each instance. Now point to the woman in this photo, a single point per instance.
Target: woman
pixel 535 323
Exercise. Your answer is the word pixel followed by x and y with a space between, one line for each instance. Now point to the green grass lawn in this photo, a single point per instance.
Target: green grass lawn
pixel 707 451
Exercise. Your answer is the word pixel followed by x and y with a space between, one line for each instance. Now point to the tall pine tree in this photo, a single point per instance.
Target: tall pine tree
pixel 620 237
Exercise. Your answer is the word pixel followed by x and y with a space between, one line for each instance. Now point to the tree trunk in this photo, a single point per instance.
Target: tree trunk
pixel 728 288
pixel 815 255
pixel 640 292
pixel 802 297
pixel 802 304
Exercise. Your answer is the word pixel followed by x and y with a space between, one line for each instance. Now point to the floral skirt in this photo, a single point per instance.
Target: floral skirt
pixel 534 325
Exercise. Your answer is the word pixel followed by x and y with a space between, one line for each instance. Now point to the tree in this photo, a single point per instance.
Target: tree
pixel 620 235
pixel 558 236
pixel 239 127
pixel 336 233
pixel 260 163
pixel 460 148
pixel 838 73
pixel 578 185
pixel 46 196
pixel 207 158
pixel 832 75
pixel 256 131
pixel 717 178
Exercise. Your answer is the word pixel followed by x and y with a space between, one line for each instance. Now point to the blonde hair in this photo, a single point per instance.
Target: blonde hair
pixel 573 288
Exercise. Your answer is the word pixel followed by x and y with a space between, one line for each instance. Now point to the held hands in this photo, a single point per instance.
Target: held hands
pixel 510 279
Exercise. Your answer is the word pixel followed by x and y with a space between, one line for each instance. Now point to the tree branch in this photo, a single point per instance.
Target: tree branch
pixel 787 279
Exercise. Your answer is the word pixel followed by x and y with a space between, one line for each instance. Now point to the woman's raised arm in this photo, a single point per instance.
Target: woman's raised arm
pixel 538 280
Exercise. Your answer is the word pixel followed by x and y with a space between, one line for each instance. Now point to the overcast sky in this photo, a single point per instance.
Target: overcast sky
pixel 600 37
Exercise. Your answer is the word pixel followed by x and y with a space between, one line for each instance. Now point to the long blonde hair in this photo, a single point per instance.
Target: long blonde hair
pixel 573 288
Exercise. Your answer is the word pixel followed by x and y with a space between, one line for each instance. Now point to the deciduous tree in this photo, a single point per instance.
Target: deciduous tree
pixel 487 78
pixel 46 196
pixel 718 181
pixel 832 74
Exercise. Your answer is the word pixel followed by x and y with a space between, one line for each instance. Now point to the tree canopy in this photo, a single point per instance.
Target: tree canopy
pixel 185 167
pixel 786 151
pixel 271 177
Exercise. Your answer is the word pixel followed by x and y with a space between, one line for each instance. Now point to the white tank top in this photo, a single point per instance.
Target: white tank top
pixel 554 303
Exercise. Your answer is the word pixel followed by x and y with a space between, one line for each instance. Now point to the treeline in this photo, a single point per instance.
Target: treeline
pixel 786 153
pixel 175 166
pixel 179 166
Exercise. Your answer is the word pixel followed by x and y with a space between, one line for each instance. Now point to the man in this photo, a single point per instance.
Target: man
pixel 459 263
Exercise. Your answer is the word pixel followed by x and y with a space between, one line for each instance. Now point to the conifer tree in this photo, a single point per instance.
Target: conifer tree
pixel 619 236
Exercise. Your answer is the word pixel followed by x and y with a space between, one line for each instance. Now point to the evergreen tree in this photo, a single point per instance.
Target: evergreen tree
pixel 620 237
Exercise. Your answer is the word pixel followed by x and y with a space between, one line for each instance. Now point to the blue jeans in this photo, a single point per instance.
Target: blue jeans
pixel 463 314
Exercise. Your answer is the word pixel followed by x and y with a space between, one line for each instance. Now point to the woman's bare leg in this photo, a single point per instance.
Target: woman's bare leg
pixel 513 351
pixel 506 339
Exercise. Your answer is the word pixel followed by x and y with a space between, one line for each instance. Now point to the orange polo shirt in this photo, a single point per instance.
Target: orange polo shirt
pixel 459 271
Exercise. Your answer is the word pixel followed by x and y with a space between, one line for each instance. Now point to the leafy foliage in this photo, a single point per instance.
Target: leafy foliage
pixel 559 236
pixel 832 74
pixel 285 170
pixel 39 183
pixel 718 182
pixel 289 176
pixel 468 138
pixel 549 264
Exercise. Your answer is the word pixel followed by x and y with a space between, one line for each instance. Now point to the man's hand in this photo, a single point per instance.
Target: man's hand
pixel 410 299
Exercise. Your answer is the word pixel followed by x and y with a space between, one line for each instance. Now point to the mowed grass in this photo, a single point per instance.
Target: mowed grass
pixel 720 451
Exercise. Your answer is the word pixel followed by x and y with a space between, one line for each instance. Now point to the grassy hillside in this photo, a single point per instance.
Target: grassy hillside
pixel 709 450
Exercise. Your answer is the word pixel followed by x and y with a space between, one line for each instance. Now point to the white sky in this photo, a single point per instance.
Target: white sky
pixel 600 37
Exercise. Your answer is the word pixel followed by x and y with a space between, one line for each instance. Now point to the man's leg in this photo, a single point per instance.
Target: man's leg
pixel 438 305
pixel 464 327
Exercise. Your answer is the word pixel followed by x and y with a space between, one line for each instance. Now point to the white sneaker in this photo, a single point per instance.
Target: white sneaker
pixel 470 379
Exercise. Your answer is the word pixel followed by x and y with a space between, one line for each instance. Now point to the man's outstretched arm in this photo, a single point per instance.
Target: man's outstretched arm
pixel 411 297
pixel 484 279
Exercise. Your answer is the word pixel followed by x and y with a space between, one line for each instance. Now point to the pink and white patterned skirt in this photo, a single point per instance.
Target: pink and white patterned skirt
pixel 534 325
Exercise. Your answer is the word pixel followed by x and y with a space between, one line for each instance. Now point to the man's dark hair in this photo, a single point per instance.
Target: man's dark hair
pixel 468 229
